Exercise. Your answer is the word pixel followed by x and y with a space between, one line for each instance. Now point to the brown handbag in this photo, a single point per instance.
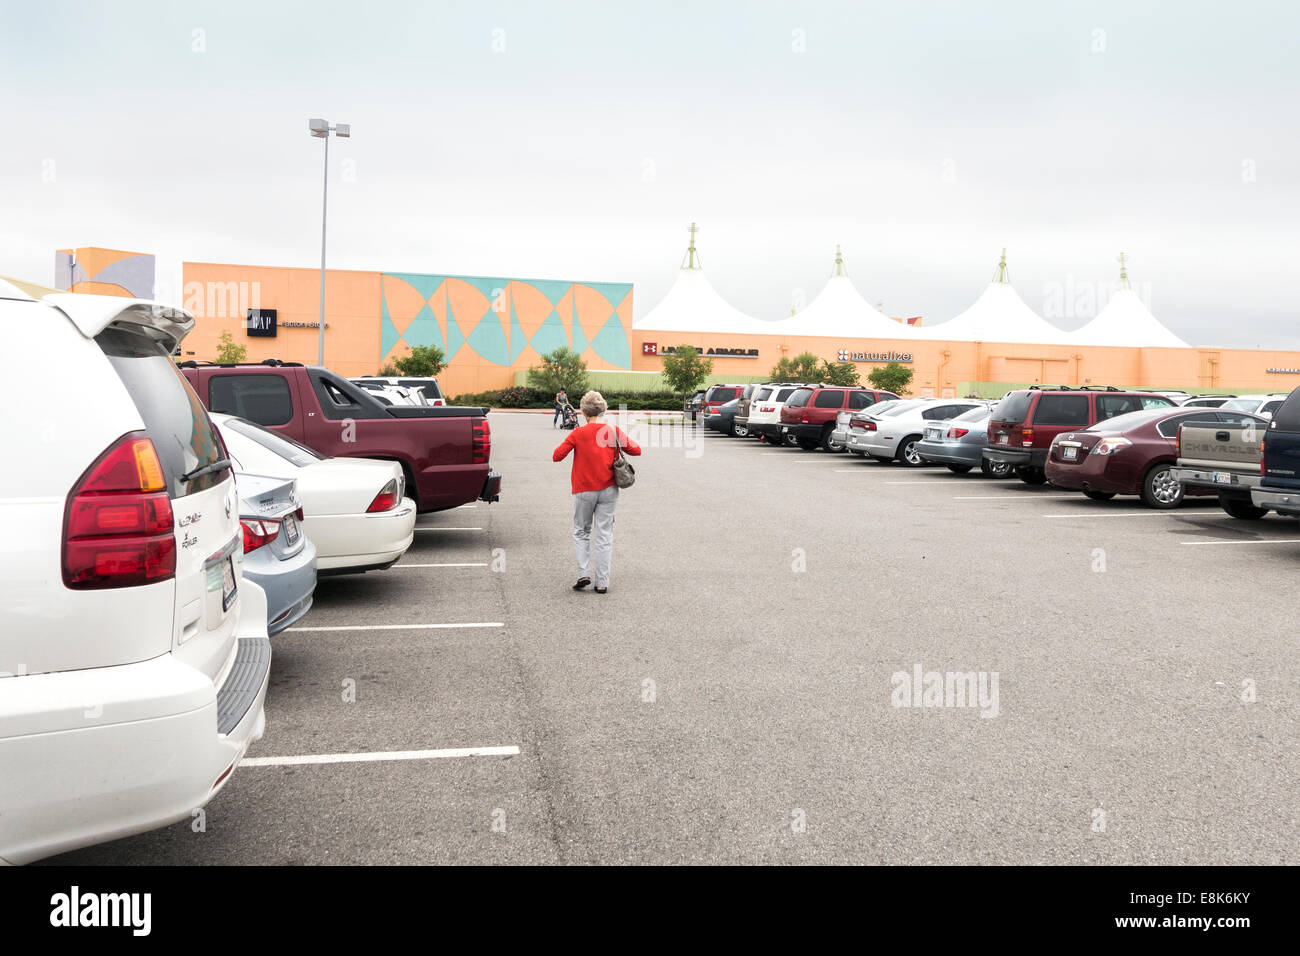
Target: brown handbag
pixel 624 473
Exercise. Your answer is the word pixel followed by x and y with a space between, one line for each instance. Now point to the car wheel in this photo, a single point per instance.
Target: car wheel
pixel 995 469
pixel 959 469
pixel 809 444
pixel 1099 495
pixel 1031 475
pixel 828 444
pixel 907 453
pixel 790 440
pixel 1160 489
pixel 1241 509
pixel 740 431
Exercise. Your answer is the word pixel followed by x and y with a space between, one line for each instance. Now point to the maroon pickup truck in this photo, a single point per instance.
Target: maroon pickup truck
pixel 444 450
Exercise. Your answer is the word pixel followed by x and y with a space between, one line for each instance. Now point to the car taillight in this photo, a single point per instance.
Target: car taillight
pixel 1110 446
pixel 118 529
pixel 854 423
pixel 870 426
pixel 387 499
pixel 259 532
pixel 1027 437
pixel 803 418
pixel 1263 473
pixel 481 441
pixel 958 432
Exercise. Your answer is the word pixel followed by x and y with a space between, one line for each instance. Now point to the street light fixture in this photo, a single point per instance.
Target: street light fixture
pixel 321 129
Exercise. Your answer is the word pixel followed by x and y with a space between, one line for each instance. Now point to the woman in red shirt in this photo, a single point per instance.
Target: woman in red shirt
pixel 595 448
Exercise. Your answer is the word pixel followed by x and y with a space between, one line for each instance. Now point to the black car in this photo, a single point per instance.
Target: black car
pixel 722 418
pixel 691 407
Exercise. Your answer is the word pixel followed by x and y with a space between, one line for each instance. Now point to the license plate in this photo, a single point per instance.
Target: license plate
pixel 785 431
pixel 1069 453
pixel 291 529
pixel 1002 439
pixel 932 433
pixel 1223 478
pixel 227 584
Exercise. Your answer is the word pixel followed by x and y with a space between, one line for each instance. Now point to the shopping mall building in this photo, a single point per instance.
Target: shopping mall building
pixel 493 329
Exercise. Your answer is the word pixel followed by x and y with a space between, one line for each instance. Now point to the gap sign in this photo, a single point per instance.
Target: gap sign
pixel 261 323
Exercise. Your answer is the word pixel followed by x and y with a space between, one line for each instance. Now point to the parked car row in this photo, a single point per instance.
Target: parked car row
pixel 160 536
pixel 1099 440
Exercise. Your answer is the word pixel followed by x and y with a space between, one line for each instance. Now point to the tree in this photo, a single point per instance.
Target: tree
pixel 804 367
pixel 685 369
pixel 388 371
pixel 561 369
pixel 841 373
pixel 425 361
pixel 891 377
pixel 228 353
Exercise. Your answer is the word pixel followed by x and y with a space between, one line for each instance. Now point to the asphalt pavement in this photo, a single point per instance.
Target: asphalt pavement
pixel 736 696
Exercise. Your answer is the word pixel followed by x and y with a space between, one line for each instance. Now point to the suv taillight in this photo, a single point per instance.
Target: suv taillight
pixel 387 498
pixel 803 418
pixel 260 532
pixel 1263 472
pixel 482 441
pixel 1027 437
pixel 118 529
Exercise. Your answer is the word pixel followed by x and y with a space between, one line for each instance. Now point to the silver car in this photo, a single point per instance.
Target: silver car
pixel 277 555
pixel 959 444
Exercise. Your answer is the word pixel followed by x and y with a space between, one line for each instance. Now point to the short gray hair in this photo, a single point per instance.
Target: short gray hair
pixel 593 405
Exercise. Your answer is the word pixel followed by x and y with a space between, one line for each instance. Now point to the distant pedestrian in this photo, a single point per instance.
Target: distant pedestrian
pixel 595 448
pixel 561 399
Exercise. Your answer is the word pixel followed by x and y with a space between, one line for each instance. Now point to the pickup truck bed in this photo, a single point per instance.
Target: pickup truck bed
pixel 1223 457
pixel 444 450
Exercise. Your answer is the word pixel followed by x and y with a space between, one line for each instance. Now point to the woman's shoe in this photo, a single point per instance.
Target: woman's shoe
pixel 582 583
pixel 601 590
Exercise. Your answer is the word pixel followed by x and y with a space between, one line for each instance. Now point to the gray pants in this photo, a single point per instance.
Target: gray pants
pixel 593 533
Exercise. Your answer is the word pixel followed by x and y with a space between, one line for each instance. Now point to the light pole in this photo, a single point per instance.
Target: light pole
pixel 321 129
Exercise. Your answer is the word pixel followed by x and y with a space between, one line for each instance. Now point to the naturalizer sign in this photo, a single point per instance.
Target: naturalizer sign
pixel 846 355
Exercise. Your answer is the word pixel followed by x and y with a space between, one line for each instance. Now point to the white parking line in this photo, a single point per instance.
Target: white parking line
pixel 379 755
pixel 393 627
pixel 1269 541
pixel 448 529
pixel 1142 514
pixel 479 564
pixel 1009 496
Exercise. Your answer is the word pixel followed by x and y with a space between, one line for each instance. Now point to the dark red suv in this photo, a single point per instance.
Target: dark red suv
pixel 1026 420
pixel 808 416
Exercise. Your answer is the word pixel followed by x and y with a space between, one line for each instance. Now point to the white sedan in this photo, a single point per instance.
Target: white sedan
pixel 355 510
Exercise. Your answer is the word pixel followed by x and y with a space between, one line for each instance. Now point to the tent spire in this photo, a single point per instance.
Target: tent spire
pixel 1001 274
pixel 839 261
pixel 1123 273
pixel 692 257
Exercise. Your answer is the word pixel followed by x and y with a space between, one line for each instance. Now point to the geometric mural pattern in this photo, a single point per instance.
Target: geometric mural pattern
pixel 507 322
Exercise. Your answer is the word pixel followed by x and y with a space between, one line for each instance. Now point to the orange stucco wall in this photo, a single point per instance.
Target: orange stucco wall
pixel 941 367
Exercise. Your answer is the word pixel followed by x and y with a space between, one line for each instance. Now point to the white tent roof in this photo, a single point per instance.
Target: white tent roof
pixel 692 305
pixel 998 315
pixel 839 310
pixel 1126 321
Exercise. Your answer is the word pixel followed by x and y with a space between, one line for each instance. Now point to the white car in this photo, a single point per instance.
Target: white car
pixel 765 410
pixel 355 510
pixel 844 420
pixel 394 394
pixel 901 427
pixel 134 658
pixel 426 386
pixel 1262 405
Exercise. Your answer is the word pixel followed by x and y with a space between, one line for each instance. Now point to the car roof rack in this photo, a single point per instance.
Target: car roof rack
pixel 275 363
pixel 1076 388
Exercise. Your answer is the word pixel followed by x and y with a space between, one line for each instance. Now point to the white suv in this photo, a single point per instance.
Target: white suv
pixel 765 409
pixel 133 658
pixel 1262 405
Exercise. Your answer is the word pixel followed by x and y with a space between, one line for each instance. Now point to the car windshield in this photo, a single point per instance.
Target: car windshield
pixel 1129 420
pixel 1013 407
pixel 973 414
pixel 286 448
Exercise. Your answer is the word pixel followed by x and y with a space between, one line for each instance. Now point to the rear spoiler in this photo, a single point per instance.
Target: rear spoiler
pixel 91 314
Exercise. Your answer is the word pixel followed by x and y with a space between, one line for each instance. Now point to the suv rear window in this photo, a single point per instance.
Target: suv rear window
pixel 762 395
pixel 430 389
pixel 785 393
pixel 1013 408
pixel 1287 417
pixel 800 397
pixel 173 416
pixel 1061 410
pixel 259 398
pixel 829 398
pixel 719 394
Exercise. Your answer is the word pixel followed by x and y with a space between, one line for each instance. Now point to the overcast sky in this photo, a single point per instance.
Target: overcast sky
pixel 576 140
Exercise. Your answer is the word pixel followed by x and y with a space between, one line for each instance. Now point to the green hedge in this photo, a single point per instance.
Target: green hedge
pixel 519 396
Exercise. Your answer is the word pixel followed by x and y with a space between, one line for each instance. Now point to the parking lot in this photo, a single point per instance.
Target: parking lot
pixel 730 699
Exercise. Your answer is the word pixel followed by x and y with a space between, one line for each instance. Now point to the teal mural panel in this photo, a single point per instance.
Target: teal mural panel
pixel 611 344
pixel 455 337
pixel 518 341
pixel 423 329
pixel 550 335
pixel 388 334
pixel 426 285
pixel 489 339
